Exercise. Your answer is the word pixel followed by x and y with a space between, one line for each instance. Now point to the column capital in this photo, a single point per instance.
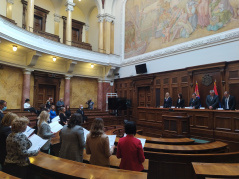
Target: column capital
pixel 69 6
pixel 87 27
pixel 57 17
pixel 106 17
pixel 68 77
pixel 10 1
pixel 100 18
pixel 27 71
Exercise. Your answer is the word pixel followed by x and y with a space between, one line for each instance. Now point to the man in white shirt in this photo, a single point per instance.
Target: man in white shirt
pixel 228 101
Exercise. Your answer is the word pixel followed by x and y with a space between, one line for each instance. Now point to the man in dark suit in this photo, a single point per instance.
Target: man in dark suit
pixel 212 100
pixel 194 101
pixel 228 101
pixel 3 107
pixel 167 101
pixel 81 111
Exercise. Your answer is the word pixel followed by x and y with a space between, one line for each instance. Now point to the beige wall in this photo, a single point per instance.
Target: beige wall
pixel 83 89
pixel 62 89
pixel 11 82
pixel 17 11
pixel 94 27
pixel 3 7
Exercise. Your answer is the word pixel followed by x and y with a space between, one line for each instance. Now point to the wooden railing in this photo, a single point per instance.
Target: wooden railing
pixel 10 20
pixel 83 45
pixel 47 35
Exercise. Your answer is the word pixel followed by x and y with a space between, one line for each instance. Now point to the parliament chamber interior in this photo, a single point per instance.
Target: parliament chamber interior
pixel 113 89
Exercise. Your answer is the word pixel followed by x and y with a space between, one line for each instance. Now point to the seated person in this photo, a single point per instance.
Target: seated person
pixel 212 100
pixel 194 102
pixel 130 150
pixel 180 101
pixel 28 107
pixel 97 144
pixel 72 139
pixel 167 101
pixel 5 130
pixel 52 112
pixel 228 101
pixel 17 145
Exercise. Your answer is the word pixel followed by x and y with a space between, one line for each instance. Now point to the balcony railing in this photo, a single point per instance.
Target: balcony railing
pixel 83 45
pixel 47 35
pixel 10 20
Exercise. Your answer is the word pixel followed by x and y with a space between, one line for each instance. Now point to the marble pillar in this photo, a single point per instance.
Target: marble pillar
pixel 67 90
pixel 9 8
pixel 69 8
pixel 103 88
pixel 101 34
pixel 112 38
pixel 26 86
pixel 107 35
pixel 30 15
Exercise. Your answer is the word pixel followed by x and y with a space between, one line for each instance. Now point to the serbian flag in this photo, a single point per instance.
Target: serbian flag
pixel 215 90
pixel 196 90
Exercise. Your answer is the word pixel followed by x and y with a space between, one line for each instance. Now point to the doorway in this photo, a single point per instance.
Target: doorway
pixel 44 93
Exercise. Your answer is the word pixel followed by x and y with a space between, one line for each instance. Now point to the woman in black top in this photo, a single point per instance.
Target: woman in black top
pixel 68 112
pixel 180 101
pixel 63 117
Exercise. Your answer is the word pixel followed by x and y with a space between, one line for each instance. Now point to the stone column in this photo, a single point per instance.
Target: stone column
pixel 9 8
pixel 69 8
pixel 100 95
pixel 67 90
pixel 30 15
pixel 101 34
pixel 112 38
pixel 56 25
pixel 87 33
pixel 26 85
pixel 107 34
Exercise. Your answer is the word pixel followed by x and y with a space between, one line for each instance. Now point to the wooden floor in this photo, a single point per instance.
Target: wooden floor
pixel 6 176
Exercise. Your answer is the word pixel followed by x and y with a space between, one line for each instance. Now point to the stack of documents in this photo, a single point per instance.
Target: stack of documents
pixel 55 126
pixel 28 131
pixel 37 142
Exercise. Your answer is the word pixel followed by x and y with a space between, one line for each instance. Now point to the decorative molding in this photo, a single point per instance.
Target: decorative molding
pixel 10 1
pixel 70 66
pixel 69 6
pixel 106 17
pixel 87 27
pixel 57 18
pixel 110 72
pixel 27 71
pixel 32 58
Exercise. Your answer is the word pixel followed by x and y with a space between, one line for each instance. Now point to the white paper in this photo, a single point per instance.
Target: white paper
pixel 55 126
pixel 172 107
pixel 189 107
pixel 57 118
pixel 85 132
pixel 219 108
pixel 112 140
pixel 142 141
pixel 37 142
pixel 161 107
pixel 28 131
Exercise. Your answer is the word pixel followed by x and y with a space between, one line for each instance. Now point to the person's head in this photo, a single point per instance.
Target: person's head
pixel 212 92
pixel 180 96
pixel 27 100
pixel 67 107
pixel 226 94
pixel 81 106
pixel 8 118
pixel 42 107
pixel 167 95
pixel 61 99
pixel 51 100
pixel 75 119
pixel 97 127
pixel 63 109
pixel 20 124
pixel 194 95
pixel 43 117
pixel 3 105
pixel 130 127
pixel 53 107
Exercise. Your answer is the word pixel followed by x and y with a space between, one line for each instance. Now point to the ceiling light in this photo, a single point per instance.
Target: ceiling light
pixel 54 59
pixel 92 65
pixel 14 48
pixel 79 0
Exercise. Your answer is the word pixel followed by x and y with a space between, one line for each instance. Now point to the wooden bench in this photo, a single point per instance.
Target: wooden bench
pixel 216 170
pixel 213 147
pixel 7 176
pixel 55 167
pixel 114 161
pixel 173 165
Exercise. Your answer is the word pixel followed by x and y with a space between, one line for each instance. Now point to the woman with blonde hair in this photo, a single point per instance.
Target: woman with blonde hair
pixel 17 145
pixel 5 130
pixel 44 130
pixel 97 144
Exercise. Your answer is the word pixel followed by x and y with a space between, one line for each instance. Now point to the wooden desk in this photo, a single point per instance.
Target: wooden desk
pixel 7 176
pixel 114 161
pixel 218 170
pixel 55 167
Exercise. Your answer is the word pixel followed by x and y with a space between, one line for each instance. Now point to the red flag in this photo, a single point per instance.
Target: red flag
pixel 197 90
pixel 215 88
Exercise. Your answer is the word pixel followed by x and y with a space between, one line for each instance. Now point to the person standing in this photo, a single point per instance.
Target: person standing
pixel 62 115
pixel 228 101
pixel 60 104
pixel 180 101
pixel 97 144
pixel 167 101
pixel 3 107
pixel 212 100
pixel 52 112
pixel 194 102
pixel 72 139
pixel 68 112
pixel 130 150
pixel 81 111
pixel 90 104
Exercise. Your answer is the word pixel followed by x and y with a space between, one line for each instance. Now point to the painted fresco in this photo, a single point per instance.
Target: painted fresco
pixel 155 24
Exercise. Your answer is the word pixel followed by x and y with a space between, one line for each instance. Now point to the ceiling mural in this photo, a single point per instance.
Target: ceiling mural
pixel 155 24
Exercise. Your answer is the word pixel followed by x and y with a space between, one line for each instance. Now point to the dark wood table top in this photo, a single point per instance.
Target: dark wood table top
pixel 81 170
